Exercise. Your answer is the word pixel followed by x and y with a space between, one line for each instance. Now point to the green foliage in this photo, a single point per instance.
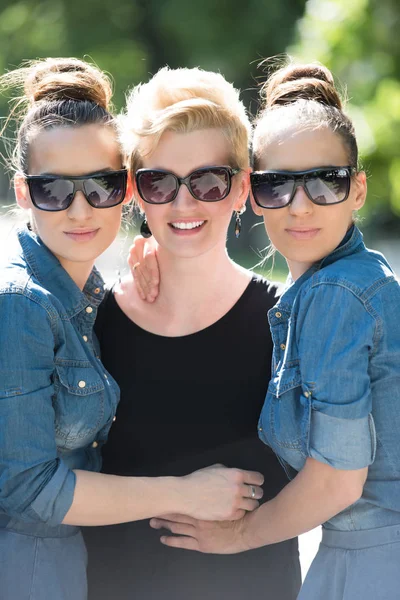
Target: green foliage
pixel 359 41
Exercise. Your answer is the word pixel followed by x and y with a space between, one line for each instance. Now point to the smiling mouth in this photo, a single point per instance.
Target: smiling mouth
pixel 186 226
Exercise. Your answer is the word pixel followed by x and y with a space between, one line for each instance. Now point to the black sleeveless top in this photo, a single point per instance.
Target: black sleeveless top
pixel 188 402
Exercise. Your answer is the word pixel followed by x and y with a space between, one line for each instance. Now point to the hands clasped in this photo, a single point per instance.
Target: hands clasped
pixel 218 493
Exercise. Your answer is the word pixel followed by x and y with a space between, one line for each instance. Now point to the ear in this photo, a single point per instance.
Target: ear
pixel 136 197
pixel 360 183
pixel 129 189
pixel 22 192
pixel 256 209
pixel 244 189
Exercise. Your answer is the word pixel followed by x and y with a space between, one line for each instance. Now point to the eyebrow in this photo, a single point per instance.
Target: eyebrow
pixel 97 172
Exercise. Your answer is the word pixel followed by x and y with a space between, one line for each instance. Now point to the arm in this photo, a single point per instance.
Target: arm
pixel 101 499
pixel 341 439
pixel 316 494
pixel 36 484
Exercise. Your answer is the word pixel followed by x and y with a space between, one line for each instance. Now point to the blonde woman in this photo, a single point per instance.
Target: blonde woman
pixel 193 366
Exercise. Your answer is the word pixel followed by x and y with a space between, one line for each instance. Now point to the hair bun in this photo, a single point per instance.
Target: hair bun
pixel 306 82
pixel 66 79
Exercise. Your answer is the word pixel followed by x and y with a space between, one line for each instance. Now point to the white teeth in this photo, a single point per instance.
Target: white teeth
pixel 192 225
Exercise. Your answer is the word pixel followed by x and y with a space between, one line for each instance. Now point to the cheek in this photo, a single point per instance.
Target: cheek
pixel 272 223
pixel 44 223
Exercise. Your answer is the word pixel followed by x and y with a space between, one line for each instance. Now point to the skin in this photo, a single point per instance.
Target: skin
pixel 194 264
pixel 319 491
pixel 86 149
pixel 101 499
pixel 304 232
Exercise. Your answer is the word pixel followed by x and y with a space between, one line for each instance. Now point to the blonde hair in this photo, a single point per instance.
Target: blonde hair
pixel 183 100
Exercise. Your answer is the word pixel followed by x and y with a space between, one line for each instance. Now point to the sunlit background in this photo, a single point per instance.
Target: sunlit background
pixel 357 39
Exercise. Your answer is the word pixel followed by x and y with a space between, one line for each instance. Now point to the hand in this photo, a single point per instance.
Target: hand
pixel 215 537
pixel 218 493
pixel 143 264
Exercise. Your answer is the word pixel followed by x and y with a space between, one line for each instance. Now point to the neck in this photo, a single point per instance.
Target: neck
pixel 297 269
pixel 190 282
pixel 78 271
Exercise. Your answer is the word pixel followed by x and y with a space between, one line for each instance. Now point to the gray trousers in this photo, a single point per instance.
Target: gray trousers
pixel 42 568
pixel 355 565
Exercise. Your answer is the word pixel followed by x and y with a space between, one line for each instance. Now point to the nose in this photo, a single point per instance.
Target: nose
pixel 80 208
pixel 184 199
pixel 301 203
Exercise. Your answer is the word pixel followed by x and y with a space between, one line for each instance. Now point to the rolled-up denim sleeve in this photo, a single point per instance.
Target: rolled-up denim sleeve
pixel 335 336
pixel 35 484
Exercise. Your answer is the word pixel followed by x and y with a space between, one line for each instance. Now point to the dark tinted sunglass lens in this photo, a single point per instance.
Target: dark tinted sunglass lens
pixel 106 190
pixel 51 194
pixel 210 185
pixel 156 187
pixel 271 190
pixel 328 187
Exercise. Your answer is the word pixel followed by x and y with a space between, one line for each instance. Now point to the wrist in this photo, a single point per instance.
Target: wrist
pixel 177 492
pixel 249 538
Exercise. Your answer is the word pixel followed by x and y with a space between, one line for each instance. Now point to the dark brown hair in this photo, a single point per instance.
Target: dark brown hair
pixel 56 92
pixel 308 95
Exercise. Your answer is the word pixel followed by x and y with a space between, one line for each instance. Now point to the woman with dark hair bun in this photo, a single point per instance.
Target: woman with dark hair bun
pixel 332 410
pixel 57 401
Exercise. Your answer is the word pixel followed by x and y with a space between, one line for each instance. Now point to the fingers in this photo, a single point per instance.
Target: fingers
pixel 237 514
pixel 136 250
pixel 253 477
pixel 143 263
pixel 252 491
pixel 178 518
pixel 173 527
pixel 248 505
pixel 187 543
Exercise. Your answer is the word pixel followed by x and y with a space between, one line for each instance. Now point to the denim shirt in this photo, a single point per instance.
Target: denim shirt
pixel 335 389
pixel 57 402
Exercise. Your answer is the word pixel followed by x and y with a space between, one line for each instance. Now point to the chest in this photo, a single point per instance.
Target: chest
pixel 85 395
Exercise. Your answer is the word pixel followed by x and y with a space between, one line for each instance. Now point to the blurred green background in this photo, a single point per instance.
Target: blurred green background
pixel 357 39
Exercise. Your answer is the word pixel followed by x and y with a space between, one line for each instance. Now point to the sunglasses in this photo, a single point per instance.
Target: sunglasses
pixel 323 186
pixel 55 193
pixel 209 184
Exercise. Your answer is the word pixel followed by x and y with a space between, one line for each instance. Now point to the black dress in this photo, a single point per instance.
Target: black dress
pixel 189 402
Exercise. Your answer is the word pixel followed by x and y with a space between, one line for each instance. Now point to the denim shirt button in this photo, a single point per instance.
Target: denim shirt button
pixel 278 315
pixel 306 394
pixel 85 338
pixel 94 445
pixel 97 290
pixel 283 346
pixel 89 309
pixel 82 384
pixel 114 419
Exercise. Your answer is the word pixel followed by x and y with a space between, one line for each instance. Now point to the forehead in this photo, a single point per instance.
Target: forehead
pixel 299 149
pixel 181 153
pixel 74 150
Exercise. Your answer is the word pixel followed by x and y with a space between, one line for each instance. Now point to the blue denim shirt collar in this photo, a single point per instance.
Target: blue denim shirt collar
pixel 48 270
pixel 351 243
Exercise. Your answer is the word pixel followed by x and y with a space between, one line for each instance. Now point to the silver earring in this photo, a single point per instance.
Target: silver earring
pixel 238 223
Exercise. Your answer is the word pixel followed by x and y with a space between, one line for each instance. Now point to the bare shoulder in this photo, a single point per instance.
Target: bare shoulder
pixel 127 297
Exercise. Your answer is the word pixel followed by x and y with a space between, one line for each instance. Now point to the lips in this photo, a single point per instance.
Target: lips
pixel 186 225
pixel 81 235
pixel 303 233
